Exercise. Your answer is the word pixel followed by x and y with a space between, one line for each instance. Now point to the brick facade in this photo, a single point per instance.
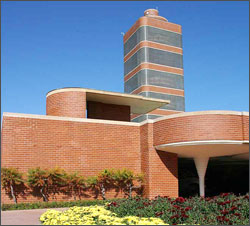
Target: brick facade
pixel 65 138
pixel 89 146
pixel 86 148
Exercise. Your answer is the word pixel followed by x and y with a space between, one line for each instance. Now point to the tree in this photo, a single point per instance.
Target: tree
pixel 11 178
pixel 125 179
pixel 39 179
pixel 104 179
pixel 75 183
pixel 46 180
pixel 58 180
pixel 92 183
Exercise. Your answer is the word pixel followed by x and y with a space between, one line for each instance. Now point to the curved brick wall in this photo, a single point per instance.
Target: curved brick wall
pixel 68 103
pixel 198 127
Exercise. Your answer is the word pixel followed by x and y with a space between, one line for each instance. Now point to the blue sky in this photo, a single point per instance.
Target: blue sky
pixel 50 45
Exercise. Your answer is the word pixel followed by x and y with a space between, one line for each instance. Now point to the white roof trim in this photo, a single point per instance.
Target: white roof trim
pixel 204 142
pixel 86 120
pixel 135 96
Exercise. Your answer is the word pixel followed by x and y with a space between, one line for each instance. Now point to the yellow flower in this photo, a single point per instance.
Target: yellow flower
pixel 93 215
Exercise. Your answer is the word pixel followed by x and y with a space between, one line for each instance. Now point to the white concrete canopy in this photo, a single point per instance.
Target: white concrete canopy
pixel 208 148
pixel 138 104
pixel 244 156
pixel 201 151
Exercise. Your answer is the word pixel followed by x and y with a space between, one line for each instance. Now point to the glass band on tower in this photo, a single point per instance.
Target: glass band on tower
pixel 153 63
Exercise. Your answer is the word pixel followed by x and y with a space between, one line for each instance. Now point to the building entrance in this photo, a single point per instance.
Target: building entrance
pixel 223 174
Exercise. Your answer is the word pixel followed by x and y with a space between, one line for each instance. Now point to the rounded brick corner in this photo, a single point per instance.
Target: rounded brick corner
pixel 201 126
pixel 66 103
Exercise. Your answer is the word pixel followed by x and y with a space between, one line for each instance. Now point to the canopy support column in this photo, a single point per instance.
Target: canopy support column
pixel 201 167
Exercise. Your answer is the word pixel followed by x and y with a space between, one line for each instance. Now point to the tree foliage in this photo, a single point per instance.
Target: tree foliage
pixel 126 179
pixel 10 179
pixel 75 183
pixel 39 179
pixel 102 181
pixel 47 182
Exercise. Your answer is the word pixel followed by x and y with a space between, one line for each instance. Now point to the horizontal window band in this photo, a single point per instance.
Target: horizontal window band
pixel 139 119
pixel 159 90
pixel 147 21
pixel 156 67
pixel 157 93
pixel 177 103
pixel 158 112
pixel 153 56
pixel 132 116
pixel 151 34
pixel 147 77
pixel 153 45
pixel 148 117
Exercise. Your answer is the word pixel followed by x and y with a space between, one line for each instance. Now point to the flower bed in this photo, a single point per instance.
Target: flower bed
pixel 93 215
pixel 225 209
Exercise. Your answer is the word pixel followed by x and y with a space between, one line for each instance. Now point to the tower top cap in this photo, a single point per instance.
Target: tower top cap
pixel 150 12
pixel 154 13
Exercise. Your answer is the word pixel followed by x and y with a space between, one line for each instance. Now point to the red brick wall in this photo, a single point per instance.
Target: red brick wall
pixel 74 146
pixel 163 174
pixel 145 157
pixel 97 110
pixel 245 121
pixel 198 127
pixel 160 168
pixel 69 104
pixel 89 147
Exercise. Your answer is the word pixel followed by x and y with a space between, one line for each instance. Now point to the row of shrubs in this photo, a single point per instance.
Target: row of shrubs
pixel 54 204
pixel 53 181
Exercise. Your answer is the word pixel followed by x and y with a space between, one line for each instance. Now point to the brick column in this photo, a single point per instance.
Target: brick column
pixel 160 168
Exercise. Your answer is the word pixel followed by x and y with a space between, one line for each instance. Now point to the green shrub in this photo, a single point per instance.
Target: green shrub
pixel 44 205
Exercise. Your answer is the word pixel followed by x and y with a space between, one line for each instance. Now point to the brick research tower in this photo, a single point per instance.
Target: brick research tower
pixel 153 63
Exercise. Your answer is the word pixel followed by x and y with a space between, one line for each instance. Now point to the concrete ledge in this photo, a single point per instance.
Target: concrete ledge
pixel 206 148
pixel 204 142
pixel 86 120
